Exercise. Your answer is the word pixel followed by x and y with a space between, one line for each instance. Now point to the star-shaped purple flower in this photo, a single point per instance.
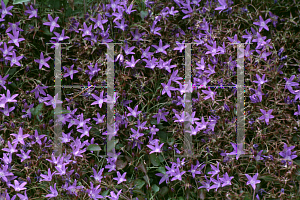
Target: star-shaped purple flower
pixel 252 180
pixel 262 24
pixel 42 61
pixel 14 60
pixel 267 115
pixel 32 12
pixel 20 137
pixel 52 23
pixel 70 72
pixel 4 10
pixel 161 48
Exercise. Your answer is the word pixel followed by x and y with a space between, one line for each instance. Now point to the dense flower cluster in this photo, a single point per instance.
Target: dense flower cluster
pixel 151 102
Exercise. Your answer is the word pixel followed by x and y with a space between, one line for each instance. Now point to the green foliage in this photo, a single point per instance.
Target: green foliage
pixel 93 147
pixel 154 159
pixel 20 1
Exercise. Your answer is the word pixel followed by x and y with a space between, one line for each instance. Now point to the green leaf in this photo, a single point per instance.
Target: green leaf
pixel 155 188
pixel 180 198
pixel 143 14
pixel 139 183
pixel 161 170
pixel 37 110
pixel 12 71
pixel 105 193
pixel 5 2
pixel 20 1
pixel 154 159
pixel 161 158
pixel 138 191
pixel 93 147
pixel 163 191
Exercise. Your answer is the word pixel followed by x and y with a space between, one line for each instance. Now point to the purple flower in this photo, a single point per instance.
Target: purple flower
pixel 137 36
pixel 4 173
pixel 132 63
pixel 70 72
pixel 11 149
pixel 260 80
pixel 262 24
pixel 42 61
pixel 205 184
pixel 7 110
pixel 213 50
pixel 252 180
pixel 60 37
pixel 24 155
pixel 4 10
pixel 215 171
pixel 134 112
pixel 122 25
pixel 98 175
pixel 154 30
pixel 161 48
pixel 287 153
pixel 19 137
pixel 226 180
pixel 53 193
pixel 92 71
pixel 9 98
pixel 17 186
pixel 39 90
pixel 223 6
pixel 235 40
pixel 160 115
pixel 52 23
pixel 14 60
pixel 128 50
pixel 217 183
pixel 177 174
pixel 112 194
pixel 266 115
pixel 48 177
pixel 181 46
pixel 86 30
pixel 264 54
pixel 237 150
pixel 32 12
pixel 120 178
pixel 6 51
pixel 168 88
pixel 202 125
pixel 156 148
pixel 290 83
pixel 274 18
pixel 151 63
pixel 165 177
pixel 99 22
pixel 99 119
pixel 14 27
pixel 210 94
pixel 23 197
pixel 94 192
pixel 297 113
pixel 52 100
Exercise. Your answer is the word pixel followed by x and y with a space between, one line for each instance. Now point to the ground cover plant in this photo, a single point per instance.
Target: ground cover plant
pixel 150 96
